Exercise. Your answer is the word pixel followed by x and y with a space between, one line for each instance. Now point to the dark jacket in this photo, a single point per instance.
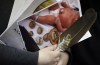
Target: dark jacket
pixel 87 52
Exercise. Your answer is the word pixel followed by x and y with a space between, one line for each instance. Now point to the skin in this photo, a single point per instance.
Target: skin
pixel 63 59
pixel 51 56
pixel 67 16
pixel 48 19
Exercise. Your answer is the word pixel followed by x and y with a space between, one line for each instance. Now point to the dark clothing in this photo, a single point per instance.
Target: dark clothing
pixel 86 52
pixel 13 56
pixel 10 55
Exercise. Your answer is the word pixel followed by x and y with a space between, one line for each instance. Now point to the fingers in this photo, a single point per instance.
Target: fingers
pixel 58 58
pixel 56 61
pixel 63 59
pixel 59 26
pixel 53 50
pixel 57 53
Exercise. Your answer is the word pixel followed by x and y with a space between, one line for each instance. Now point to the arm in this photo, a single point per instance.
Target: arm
pixel 47 19
pixel 13 56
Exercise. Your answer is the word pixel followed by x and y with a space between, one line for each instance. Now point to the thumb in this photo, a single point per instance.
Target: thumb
pixel 53 47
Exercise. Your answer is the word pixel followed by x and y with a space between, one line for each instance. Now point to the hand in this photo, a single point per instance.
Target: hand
pixel 49 56
pixel 63 59
pixel 59 25
pixel 67 15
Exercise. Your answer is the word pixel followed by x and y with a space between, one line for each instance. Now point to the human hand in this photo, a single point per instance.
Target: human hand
pixel 67 15
pixel 49 56
pixel 59 25
pixel 63 59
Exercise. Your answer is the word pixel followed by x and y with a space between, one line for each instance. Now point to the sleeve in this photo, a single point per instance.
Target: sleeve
pixel 86 52
pixel 13 56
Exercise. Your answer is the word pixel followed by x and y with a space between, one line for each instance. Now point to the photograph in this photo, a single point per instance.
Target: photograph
pixel 45 26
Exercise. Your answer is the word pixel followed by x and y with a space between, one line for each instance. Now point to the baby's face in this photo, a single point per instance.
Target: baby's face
pixel 68 16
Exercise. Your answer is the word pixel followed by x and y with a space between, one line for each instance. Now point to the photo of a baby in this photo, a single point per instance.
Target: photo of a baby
pixel 46 26
pixel 62 17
